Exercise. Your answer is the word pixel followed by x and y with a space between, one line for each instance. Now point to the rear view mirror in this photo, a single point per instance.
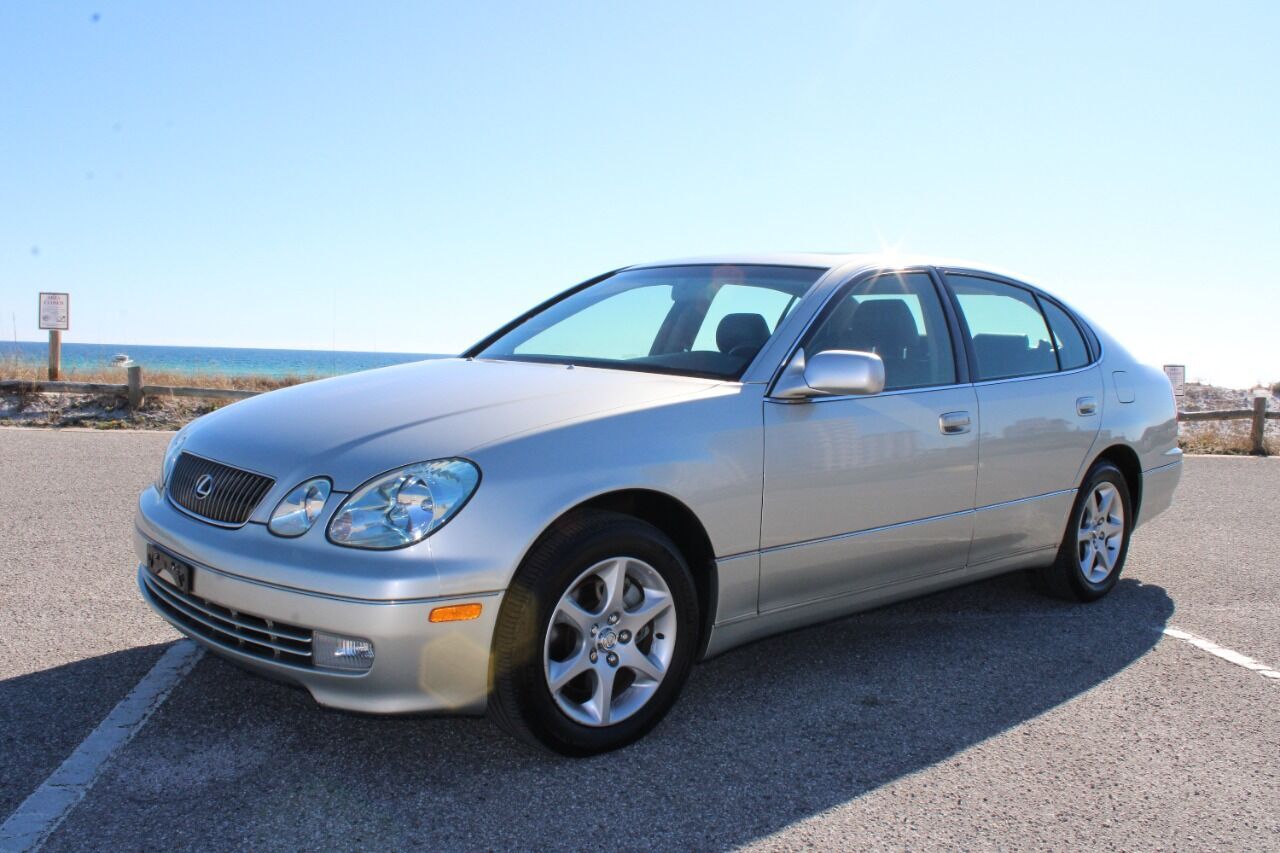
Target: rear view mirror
pixel 693 292
pixel 831 373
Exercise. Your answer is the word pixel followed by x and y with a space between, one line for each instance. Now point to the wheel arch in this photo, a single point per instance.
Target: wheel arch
pixel 675 519
pixel 1126 459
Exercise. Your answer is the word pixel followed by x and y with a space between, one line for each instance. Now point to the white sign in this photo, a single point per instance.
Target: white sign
pixel 55 311
pixel 1177 374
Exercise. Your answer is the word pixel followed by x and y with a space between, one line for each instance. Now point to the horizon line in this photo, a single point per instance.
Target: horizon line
pixel 206 346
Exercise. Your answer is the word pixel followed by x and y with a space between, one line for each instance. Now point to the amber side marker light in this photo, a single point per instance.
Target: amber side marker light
pixel 455 613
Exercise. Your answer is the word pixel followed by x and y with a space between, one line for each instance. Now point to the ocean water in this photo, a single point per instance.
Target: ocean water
pixel 209 360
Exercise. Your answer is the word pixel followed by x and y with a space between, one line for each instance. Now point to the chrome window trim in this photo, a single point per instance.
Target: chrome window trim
pixel 834 398
pixel 1035 376
pixel 896 391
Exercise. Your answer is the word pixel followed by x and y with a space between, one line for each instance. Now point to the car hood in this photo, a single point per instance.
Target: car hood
pixel 353 427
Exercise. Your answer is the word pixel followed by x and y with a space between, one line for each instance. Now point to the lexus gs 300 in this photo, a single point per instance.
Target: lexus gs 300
pixel 655 466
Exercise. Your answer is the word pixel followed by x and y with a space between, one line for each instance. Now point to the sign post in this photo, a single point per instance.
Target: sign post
pixel 55 315
pixel 1177 374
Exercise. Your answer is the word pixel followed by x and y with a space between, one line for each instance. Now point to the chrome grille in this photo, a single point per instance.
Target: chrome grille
pixel 243 632
pixel 235 492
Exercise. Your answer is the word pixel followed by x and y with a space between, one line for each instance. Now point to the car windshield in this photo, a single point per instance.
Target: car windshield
pixel 705 320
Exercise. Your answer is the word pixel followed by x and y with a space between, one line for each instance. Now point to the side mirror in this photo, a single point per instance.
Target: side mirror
pixel 831 373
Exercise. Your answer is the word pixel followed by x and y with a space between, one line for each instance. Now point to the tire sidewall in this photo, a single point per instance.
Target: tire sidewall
pixel 550 571
pixel 1102 473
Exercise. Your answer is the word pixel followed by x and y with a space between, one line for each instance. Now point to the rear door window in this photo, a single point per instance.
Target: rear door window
pixel 1009 334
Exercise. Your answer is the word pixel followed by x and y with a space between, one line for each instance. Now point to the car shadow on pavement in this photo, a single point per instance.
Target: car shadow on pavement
pixel 45 714
pixel 763 737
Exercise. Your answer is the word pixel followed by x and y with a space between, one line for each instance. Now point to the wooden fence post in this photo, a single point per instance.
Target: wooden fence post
pixel 135 387
pixel 55 355
pixel 1259 426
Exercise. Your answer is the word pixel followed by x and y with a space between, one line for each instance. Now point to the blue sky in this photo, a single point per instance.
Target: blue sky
pixel 408 176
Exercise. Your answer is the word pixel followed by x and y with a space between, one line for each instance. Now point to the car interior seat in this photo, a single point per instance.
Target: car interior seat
pixel 742 335
pixel 1012 355
pixel 886 328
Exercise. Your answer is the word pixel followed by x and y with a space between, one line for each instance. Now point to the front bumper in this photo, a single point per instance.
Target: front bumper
pixel 418 665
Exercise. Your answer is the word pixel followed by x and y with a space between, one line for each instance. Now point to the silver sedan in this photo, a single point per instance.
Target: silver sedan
pixel 653 467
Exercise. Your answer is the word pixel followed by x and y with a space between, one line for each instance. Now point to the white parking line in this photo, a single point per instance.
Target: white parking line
pixel 48 805
pixel 1222 652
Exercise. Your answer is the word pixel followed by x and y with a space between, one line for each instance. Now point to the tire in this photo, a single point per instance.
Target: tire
pixel 541 637
pixel 1086 569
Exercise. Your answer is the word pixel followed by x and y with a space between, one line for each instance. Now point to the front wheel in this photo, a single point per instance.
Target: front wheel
pixel 1096 541
pixel 596 636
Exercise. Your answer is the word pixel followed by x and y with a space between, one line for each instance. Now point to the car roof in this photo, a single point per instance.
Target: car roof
pixel 847 261
pixel 825 260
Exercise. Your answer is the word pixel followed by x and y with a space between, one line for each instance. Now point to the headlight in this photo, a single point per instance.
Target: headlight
pixel 170 459
pixel 404 506
pixel 299 509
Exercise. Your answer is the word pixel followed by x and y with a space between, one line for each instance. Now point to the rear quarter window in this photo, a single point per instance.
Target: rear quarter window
pixel 1072 350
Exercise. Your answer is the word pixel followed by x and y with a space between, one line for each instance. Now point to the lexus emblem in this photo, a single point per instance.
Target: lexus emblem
pixel 204 487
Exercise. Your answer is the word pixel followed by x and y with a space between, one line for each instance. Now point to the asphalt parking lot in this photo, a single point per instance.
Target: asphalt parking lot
pixel 984 717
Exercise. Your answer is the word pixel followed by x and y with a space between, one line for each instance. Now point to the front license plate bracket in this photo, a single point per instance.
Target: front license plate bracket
pixel 177 573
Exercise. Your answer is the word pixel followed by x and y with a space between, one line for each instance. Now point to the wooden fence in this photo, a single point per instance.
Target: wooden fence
pixel 1258 414
pixel 134 391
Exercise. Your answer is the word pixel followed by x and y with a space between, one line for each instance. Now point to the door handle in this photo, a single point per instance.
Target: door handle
pixel 953 423
pixel 1086 406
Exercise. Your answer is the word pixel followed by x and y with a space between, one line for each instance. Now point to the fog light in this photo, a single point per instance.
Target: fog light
pixel 334 652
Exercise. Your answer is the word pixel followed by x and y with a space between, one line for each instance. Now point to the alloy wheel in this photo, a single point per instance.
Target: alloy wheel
pixel 1101 533
pixel 610 641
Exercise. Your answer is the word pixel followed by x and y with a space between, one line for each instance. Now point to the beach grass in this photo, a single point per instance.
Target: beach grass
pixel 1229 437
pixel 28 371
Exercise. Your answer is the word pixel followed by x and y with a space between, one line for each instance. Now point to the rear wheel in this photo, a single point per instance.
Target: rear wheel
pixel 595 637
pixel 1096 541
